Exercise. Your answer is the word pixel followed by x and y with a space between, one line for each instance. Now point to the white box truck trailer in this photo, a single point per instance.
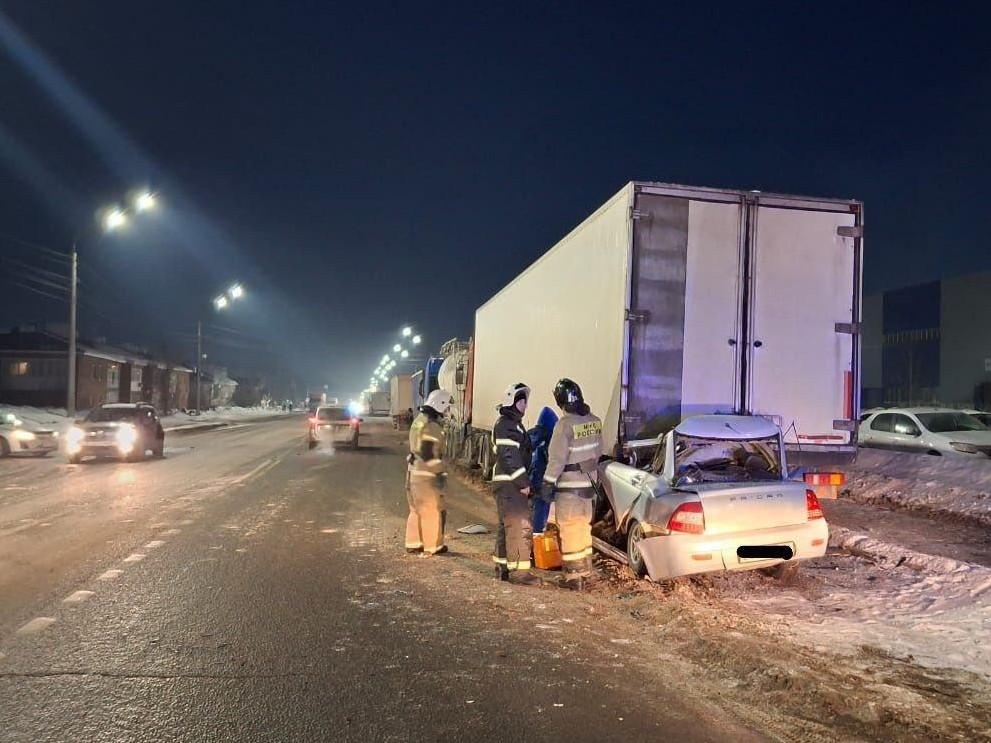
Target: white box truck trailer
pixel 400 394
pixel 671 301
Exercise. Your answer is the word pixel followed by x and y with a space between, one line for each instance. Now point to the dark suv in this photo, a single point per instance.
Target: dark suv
pixel 126 431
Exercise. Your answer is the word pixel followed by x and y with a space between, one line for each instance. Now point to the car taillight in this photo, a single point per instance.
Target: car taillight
pixel 825 478
pixel 354 421
pixel 812 507
pixel 687 518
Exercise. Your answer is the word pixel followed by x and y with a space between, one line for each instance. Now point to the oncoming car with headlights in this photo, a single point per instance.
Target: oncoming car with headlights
pixel 126 431
pixel 714 498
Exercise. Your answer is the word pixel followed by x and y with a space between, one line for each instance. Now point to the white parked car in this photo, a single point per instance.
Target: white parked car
pixel 937 431
pixel 23 437
pixel 982 415
pixel 715 498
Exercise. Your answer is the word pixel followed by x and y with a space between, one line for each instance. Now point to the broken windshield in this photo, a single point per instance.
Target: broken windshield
pixel 699 460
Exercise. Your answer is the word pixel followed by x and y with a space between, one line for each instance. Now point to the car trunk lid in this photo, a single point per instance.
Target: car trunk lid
pixel 730 507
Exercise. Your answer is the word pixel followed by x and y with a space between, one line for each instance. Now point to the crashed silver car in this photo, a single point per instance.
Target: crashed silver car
pixel 714 498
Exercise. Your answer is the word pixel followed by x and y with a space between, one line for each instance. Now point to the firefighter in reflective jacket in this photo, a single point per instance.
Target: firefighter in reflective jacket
pixel 511 488
pixel 572 458
pixel 425 477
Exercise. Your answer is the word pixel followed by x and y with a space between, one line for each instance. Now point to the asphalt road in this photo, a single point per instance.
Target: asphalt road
pixel 245 588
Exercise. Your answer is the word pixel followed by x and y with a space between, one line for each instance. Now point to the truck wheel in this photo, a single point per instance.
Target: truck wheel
pixel 633 538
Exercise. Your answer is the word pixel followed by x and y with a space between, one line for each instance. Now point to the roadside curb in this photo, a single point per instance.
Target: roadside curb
pixel 890 555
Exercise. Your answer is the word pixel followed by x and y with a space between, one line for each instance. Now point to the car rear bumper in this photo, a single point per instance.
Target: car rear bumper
pixel 673 555
pixel 343 431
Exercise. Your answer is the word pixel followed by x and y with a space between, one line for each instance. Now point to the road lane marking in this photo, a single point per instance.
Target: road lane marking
pixel 77 598
pixel 330 531
pixel 110 574
pixel 170 532
pixel 36 625
pixel 252 473
pixel 134 557
pixel 154 544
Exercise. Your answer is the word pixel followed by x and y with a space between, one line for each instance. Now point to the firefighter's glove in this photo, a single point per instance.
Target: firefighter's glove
pixel 442 481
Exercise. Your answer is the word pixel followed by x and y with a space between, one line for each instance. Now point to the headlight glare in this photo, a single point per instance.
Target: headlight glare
pixel 21 435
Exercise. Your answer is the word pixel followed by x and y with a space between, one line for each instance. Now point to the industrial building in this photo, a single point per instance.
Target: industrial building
pixel 929 344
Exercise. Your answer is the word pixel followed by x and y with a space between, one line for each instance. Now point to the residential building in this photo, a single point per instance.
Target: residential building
pixel 34 371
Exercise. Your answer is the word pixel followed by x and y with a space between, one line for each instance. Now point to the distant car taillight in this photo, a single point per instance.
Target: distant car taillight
pixel 688 518
pixel 812 507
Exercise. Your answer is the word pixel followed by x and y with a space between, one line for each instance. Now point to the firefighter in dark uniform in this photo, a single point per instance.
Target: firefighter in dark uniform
pixel 572 459
pixel 511 488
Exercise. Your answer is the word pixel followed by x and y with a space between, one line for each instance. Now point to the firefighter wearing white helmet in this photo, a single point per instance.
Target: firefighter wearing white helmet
pixel 426 476
pixel 511 488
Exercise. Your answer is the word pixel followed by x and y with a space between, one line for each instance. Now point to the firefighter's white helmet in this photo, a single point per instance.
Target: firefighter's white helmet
pixel 439 400
pixel 513 393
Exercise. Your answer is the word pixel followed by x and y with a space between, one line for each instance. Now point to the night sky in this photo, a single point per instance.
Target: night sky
pixel 359 166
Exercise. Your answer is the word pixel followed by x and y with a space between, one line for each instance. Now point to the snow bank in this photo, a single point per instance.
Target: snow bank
pixel 220 415
pixel 847 603
pixel 943 486
pixel 56 417
pixel 890 555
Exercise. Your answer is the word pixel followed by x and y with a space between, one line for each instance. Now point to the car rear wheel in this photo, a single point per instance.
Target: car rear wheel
pixel 135 456
pixel 634 536
pixel 159 451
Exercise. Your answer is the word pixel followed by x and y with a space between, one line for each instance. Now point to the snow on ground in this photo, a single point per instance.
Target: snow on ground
pixel 57 418
pixel 958 487
pixel 220 415
pixel 910 605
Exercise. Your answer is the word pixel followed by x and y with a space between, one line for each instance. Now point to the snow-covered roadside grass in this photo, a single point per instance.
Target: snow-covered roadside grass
pixel 944 487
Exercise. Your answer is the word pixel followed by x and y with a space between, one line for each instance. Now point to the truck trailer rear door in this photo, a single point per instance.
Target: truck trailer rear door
pixel 684 315
pixel 802 308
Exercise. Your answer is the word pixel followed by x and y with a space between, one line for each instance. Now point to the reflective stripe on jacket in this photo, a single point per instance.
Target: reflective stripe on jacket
pixel 512 449
pixel 574 451
pixel 426 445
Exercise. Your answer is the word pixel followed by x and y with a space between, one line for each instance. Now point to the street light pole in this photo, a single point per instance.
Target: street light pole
pixel 199 361
pixel 74 283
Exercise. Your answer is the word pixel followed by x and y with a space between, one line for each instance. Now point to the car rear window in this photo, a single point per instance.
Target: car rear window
pixel 333 414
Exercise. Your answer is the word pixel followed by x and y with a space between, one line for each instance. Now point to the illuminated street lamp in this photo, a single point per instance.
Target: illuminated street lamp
pixel 144 201
pixel 236 291
pixel 407 331
pixel 220 302
pixel 110 219
pixel 405 353
pixel 397 348
pixel 416 340
pixel 385 359
pixel 114 219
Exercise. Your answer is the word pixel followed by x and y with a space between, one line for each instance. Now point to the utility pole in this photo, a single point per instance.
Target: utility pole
pixel 199 360
pixel 74 284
